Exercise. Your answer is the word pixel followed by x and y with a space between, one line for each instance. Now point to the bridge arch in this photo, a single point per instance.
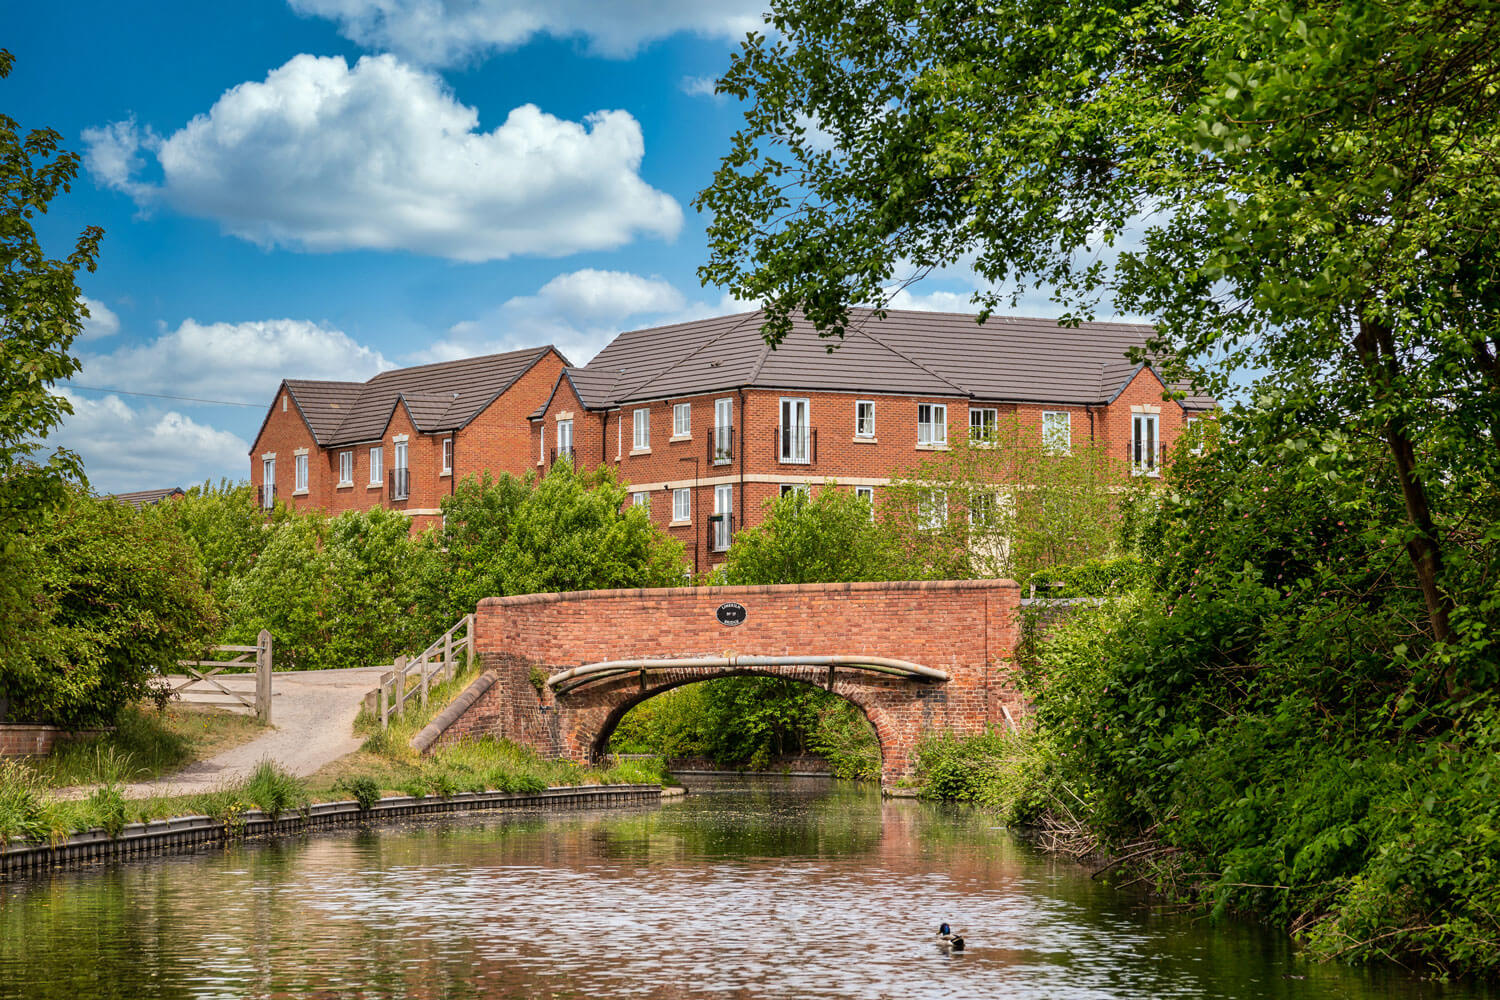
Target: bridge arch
pixel 843 636
pixel 869 707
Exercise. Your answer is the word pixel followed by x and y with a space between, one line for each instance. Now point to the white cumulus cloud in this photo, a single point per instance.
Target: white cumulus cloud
pixel 444 32
pixel 125 448
pixel 102 321
pixel 323 157
pixel 578 312
pixel 237 362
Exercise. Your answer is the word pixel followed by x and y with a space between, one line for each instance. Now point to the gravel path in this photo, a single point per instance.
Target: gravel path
pixel 313 715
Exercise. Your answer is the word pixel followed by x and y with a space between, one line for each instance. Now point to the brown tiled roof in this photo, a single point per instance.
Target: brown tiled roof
pixel 439 397
pixel 145 498
pixel 923 353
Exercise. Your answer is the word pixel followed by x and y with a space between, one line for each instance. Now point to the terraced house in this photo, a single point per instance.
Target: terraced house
pixel 403 438
pixel 707 423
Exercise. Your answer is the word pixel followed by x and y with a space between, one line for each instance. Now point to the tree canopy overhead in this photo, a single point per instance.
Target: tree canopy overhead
pixel 1308 190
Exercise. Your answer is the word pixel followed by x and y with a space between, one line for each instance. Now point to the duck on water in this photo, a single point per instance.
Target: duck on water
pixel 949 939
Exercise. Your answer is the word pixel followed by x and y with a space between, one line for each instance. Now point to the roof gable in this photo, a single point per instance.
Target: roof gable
pixel 442 396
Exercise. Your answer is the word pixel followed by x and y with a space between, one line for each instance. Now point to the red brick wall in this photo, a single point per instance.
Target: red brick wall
pixel 494 442
pixel 967 628
pixel 500 439
pixel 284 432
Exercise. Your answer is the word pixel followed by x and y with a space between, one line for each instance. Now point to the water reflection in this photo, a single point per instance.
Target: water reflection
pixel 783 888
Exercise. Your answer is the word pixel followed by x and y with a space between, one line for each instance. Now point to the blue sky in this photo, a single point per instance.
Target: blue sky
pixel 325 188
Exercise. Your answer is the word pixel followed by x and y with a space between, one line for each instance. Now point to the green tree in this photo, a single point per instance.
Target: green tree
pixel 286 592
pixel 119 599
pixel 477 520
pixel 828 538
pixel 573 531
pixel 225 524
pixel 41 312
pixel 1309 185
pixel 1010 504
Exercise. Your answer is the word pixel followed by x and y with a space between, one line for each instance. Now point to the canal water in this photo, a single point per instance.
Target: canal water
pixel 778 888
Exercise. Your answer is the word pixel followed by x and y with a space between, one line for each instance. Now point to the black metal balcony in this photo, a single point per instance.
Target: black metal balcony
pixel 720 532
pixel 399 482
pixel 721 446
pixel 796 445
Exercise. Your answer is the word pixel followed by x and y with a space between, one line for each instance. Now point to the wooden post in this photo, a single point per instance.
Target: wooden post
pixel 384 717
pixel 448 653
pixel 400 683
pixel 469 639
pixel 424 665
pixel 263 677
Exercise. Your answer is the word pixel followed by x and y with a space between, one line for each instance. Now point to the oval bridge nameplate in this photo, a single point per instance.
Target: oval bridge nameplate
pixel 731 614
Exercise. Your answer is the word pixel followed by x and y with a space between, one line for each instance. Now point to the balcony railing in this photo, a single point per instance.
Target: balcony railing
pixel 565 453
pixel 721 446
pixel 1144 457
pixel 796 445
pixel 720 531
pixel 267 496
pixel 400 484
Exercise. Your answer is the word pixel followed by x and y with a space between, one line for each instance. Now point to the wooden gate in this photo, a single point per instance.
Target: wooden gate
pixel 205 682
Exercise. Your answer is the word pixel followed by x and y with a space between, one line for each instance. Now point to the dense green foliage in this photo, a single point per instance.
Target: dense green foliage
pixel 357 589
pixel 1267 715
pixel 118 599
pixel 828 537
pixel 41 313
pixel 746 722
pixel 1009 504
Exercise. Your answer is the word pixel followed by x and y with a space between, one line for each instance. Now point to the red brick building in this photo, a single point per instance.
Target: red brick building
pixel 707 423
pixel 405 437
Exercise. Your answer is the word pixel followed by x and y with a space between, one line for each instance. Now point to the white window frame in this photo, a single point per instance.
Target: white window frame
pixel 641 498
pixel 300 466
pixel 641 430
pixel 723 507
pixel 1052 442
pixel 867 494
pixel 565 437
pixel 448 456
pixel 794 443
pixel 1145 444
pixel 682 505
pixel 267 481
pixel 1188 426
pixel 346 468
pixel 682 420
pixel 932 510
pixel 377 465
pixel 723 431
pixel 932 432
pixel 986 428
pixel 864 428
pixel 984 500
pixel 802 488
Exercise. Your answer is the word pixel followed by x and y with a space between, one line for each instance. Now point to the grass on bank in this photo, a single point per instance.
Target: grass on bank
pixel 145 744
pixel 385 765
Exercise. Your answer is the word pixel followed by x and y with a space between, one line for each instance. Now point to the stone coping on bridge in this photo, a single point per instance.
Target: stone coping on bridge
pixel 864 586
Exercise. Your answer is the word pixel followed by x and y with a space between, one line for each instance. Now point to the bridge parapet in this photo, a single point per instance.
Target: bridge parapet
pixel 966 629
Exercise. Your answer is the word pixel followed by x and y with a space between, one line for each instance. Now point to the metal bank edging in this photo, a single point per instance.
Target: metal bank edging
pixel 184 833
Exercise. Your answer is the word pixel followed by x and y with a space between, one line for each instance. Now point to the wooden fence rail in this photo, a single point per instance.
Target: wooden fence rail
pixel 204 679
pixel 411 676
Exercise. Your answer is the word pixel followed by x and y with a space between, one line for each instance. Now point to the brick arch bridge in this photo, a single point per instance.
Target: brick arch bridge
pixel 915 657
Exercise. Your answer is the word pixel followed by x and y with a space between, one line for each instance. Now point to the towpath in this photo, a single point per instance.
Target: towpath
pixel 313 716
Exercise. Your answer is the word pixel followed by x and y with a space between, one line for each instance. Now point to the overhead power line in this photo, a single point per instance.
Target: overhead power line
pixel 158 395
